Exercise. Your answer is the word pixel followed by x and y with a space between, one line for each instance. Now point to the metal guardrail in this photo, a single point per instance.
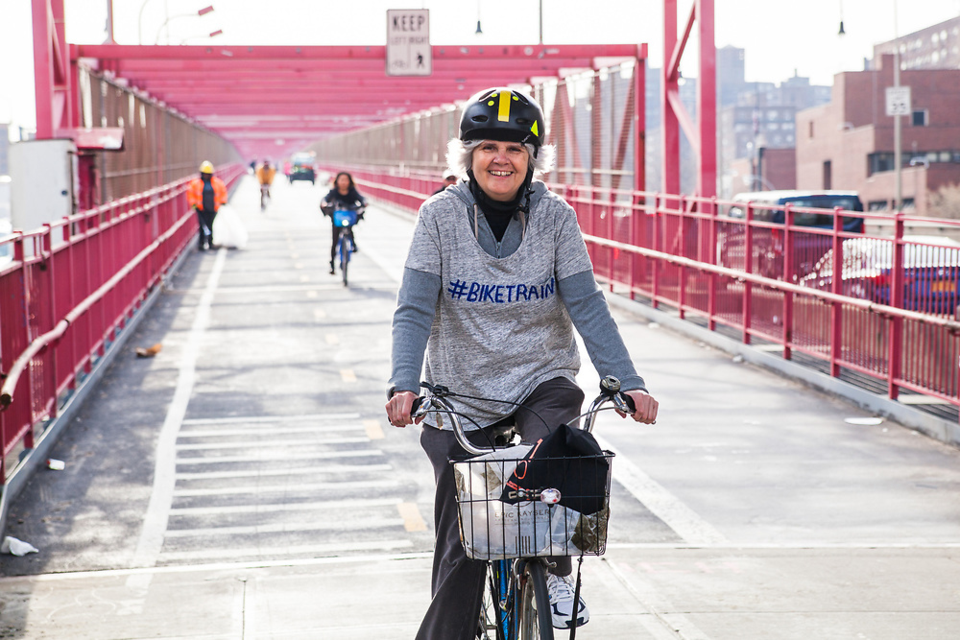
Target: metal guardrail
pixel 674 250
pixel 73 287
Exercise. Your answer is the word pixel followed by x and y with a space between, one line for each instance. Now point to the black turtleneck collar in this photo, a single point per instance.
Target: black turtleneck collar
pixel 488 205
pixel 499 213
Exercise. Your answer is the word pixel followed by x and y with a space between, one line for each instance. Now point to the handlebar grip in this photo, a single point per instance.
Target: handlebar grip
pixel 416 405
pixel 629 402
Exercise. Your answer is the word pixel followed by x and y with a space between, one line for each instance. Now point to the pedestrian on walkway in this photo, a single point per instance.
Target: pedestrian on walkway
pixel 206 194
pixel 449 179
pixel 342 197
pixel 505 233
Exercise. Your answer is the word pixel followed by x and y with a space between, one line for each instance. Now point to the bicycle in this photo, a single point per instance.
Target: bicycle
pixel 516 538
pixel 345 220
pixel 264 196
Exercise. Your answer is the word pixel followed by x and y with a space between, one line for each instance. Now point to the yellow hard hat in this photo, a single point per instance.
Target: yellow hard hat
pixel 206 167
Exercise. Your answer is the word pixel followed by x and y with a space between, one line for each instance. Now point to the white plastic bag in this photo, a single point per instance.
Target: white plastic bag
pixel 17 547
pixel 228 229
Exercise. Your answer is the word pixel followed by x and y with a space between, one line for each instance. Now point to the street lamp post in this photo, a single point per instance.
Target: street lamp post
pixel 212 34
pixel 897 151
pixel 140 22
pixel 200 12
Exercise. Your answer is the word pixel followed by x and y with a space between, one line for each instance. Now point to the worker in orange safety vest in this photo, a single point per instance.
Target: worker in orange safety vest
pixel 205 194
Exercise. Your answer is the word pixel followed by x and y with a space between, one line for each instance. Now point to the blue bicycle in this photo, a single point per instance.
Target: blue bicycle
pixel 344 221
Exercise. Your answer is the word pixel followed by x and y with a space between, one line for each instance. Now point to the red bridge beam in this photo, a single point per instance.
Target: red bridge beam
pixel 702 132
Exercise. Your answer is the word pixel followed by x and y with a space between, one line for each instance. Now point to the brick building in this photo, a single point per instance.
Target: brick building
pixel 849 144
pixel 936 47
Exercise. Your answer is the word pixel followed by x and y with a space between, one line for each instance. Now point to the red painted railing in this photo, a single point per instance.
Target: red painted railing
pixel 882 327
pixel 71 289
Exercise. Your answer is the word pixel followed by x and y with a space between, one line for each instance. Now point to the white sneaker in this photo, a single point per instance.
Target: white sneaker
pixel 561 590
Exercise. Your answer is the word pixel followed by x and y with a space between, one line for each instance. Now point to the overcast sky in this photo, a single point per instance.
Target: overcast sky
pixel 781 37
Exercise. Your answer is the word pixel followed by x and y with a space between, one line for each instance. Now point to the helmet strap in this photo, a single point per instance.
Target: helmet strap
pixel 524 208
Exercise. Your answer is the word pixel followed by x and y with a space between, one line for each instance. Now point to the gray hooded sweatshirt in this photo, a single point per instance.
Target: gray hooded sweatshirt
pixel 496 319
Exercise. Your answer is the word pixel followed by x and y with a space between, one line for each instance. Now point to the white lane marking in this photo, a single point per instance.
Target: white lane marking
pixel 691 528
pixel 261 445
pixel 292 506
pixel 384 545
pixel 342 469
pixel 299 487
pixel 164 476
pixel 351 526
pixel 279 456
pixel 213 433
pixel 273 419
pixel 679 626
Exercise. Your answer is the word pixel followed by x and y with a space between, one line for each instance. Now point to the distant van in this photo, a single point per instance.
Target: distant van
pixel 768 249
pixel 846 200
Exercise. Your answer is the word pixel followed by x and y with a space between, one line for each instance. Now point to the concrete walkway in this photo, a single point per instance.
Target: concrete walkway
pixel 244 483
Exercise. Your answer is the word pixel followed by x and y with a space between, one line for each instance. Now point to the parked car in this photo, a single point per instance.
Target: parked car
pixel 768 247
pixel 931 272
pixel 302 167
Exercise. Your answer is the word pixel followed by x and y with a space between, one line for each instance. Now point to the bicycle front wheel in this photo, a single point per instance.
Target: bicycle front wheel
pixel 494 621
pixel 534 619
pixel 344 255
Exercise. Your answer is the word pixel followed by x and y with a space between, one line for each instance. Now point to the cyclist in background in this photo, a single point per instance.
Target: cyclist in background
pixel 495 281
pixel 342 197
pixel 265 175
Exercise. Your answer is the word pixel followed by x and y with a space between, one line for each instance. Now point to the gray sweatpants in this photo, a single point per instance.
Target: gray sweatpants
pixel 457 584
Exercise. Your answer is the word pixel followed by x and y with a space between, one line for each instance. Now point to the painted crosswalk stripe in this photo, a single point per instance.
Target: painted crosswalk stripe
pixel 273 419
pixel 213 446
pixel 352 525
pixel 326 469
pixel 327 505
pixel 258 429
pixel 283 456
pixel 306 550
pixel 300 487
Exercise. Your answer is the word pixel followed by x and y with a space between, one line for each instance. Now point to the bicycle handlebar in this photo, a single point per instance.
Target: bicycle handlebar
pixel 609 392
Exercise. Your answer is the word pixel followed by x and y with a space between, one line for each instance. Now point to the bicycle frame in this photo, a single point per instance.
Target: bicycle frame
pixel 345 221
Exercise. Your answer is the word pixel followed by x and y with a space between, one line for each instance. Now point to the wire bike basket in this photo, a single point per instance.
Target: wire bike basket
pixel 501 517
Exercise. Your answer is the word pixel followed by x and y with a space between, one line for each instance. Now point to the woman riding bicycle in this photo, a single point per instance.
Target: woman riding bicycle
pixel 496 279
pixel 344 196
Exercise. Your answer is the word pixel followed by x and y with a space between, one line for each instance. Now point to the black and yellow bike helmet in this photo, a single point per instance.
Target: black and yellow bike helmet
pixel 503 114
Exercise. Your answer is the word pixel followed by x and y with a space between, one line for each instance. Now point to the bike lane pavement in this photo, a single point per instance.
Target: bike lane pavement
pixel 774 518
